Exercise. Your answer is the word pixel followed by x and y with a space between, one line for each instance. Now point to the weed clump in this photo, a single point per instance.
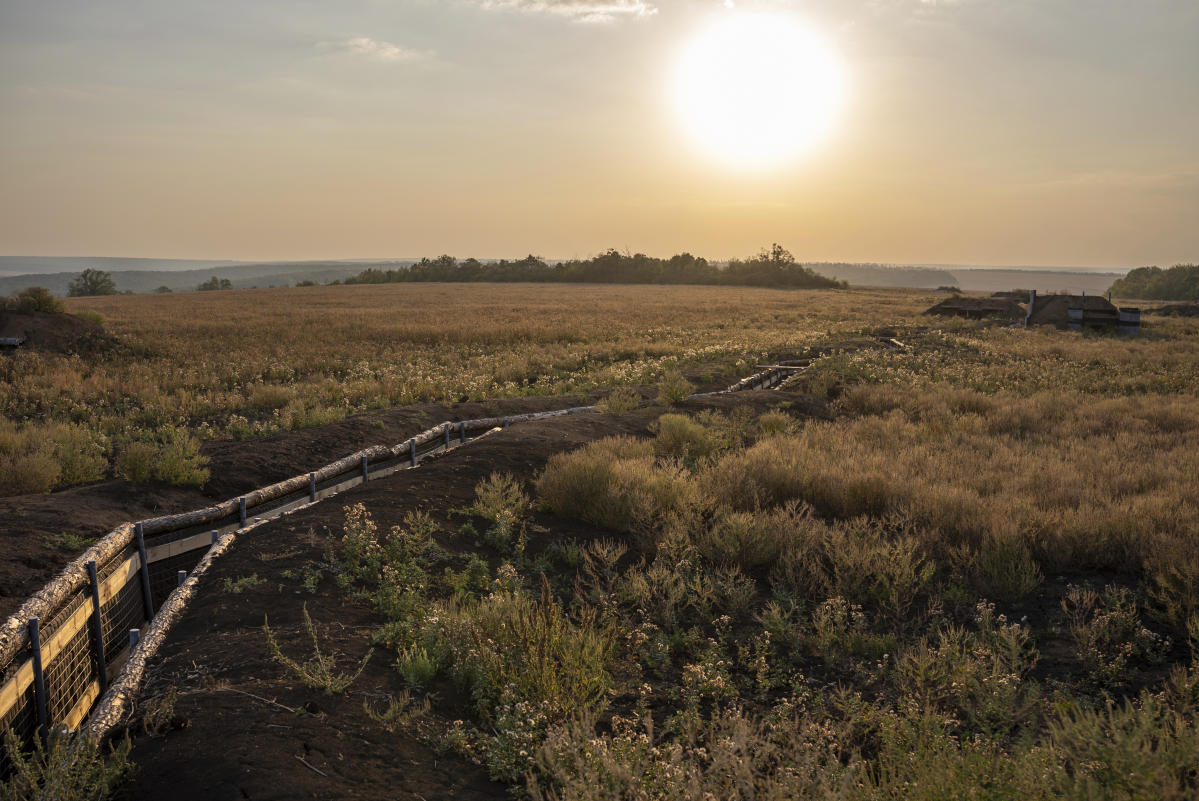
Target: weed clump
pixel 674 388
pixel 68 767
pixel 320 672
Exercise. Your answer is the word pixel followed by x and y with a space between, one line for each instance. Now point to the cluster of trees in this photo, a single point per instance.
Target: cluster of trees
pixel 215 283
pixel 1180 282
pixel 31 299
pixel 774 267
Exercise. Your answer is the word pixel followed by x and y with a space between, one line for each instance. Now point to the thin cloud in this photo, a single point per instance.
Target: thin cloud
pixel 579 10
pixel 375 50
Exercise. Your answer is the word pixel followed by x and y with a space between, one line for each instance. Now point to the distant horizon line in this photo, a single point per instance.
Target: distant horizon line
pixel 1088 269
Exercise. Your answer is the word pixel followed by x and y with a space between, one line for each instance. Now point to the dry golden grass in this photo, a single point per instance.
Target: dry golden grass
pixel 248 363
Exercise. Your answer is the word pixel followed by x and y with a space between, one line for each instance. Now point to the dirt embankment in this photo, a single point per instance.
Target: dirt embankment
pixel 56 332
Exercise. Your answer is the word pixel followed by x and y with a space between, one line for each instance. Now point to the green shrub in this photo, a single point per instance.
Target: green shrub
pixel 680 437
pixel 34 299
pixel 135 462
pixel 416 667
pixel 27 461
pixel 772 424
pixel 674 388
pixel 268 397
pixel 69 767
pixel 179 461
pixel 499 496
pixel 1005 569
pixel 746 539
pixel 1137 749
pixel 510 646
pixel 619 401
pixel 81 454
pixel 1108 634
pixel 616 483
pixel 91 316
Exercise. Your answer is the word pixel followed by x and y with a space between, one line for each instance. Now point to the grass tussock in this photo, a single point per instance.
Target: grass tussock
pixel 320 671
pixel 67 767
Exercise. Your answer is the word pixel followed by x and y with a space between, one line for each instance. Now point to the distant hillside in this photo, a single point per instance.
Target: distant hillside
pixel 146 275
pixel 241 275
pixel 984 280
pixel 42 265
pixel 884 275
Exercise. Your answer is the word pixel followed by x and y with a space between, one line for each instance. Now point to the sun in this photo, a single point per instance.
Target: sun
pixel 758 90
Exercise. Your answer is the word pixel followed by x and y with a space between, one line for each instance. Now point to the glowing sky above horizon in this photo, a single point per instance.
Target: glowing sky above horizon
pixel 1049 132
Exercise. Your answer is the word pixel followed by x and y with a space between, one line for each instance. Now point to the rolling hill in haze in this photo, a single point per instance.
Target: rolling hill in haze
pixel 146 275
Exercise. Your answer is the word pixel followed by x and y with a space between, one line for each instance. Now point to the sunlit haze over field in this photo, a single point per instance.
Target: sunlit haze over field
pixel 1048 132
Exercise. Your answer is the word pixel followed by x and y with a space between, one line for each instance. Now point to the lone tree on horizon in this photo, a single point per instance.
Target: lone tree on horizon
pixel 92 282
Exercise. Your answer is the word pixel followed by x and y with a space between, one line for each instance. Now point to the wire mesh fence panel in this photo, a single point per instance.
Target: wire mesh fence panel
pixel 164 574
pixel 69 672
pixel 69 675
pixel 124 611
pixel 21 719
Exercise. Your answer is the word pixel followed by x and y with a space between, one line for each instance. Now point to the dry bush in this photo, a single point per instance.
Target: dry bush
pixel 321 671
pixel 135 462
pixel 27 465
pixel 745 539
pixel 772 424
pixel 1005 568
pixel 680 437
pixel 499 496
pixel 268 397
pixel 619 401
pixel 673 388
pixel 616 483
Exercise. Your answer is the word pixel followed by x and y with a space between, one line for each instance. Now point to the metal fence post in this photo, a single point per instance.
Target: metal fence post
pixel 462 432
pixel 135 636
pixel 241 510
pixel 147 597
pixel 180 577
pixel 412 451
pixel 312 486
pixel 216 535
pixel 447 435
pixel 39 680
pixel 365 472
pixel 98 626
pixel 505 422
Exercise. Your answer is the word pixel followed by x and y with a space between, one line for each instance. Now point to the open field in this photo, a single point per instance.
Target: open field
pixel 243 364
pixel 962 569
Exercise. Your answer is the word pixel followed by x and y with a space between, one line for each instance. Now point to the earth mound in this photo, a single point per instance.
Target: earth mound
pixel 56 332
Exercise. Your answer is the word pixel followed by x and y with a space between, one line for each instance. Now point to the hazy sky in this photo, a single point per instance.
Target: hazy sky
pixel 1053 132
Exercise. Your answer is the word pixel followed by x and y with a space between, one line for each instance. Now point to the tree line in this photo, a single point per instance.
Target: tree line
pixel 773 267
pixel 1180 282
